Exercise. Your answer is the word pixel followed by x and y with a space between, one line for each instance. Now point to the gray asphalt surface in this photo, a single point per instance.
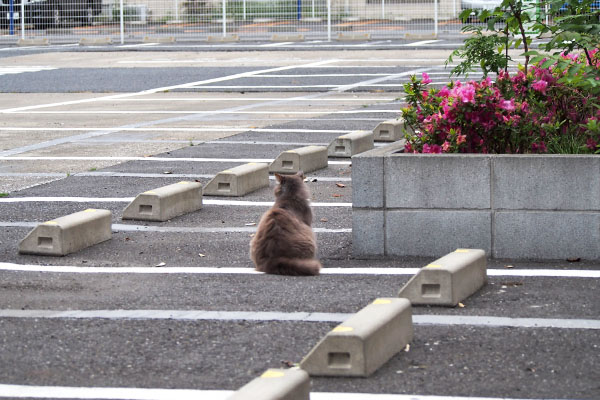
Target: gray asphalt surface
pixel 463 360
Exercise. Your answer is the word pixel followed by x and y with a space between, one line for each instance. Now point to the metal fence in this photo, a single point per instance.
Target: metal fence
pixel 61 21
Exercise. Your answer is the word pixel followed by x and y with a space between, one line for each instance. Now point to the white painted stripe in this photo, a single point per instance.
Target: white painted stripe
pixel 159 159
pixel 107 393
pixel 278 316
pixel 9 70
pixel 205 201
pixel 213 99
pixel 422 42
pixel 549 273
pixel 314 75
pixel 183 229
pixel 214 112
pixel 245 87
pixel 108 174
pixel 276 44
pixel 176 129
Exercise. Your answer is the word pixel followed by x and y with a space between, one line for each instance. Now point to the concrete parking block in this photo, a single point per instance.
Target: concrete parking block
pixel 223 39
pixel 33 42
pixel 364 342
pixel 287 38
pixel 97 41
pixel 390 130
pixel 239 181
pixel 353 36
pixel 307 159
pixel 448 280
pixel 351 144
pixel 165 202
pixel 68 234
pixel 276 384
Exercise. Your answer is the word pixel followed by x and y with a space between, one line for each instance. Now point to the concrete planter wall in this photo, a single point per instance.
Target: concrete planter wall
pixel 512 206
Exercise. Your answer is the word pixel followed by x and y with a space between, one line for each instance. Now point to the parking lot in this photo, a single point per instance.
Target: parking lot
pixel 174 310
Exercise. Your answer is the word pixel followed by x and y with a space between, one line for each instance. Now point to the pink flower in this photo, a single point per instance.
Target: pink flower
pixel 461 139
pixel 466 93
pixel 445 146
pixel 591 144
pixel 508 105
pixel 540 86
pixel 426 78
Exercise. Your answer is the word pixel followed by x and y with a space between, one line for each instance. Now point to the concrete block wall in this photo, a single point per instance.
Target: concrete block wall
pixel 512 206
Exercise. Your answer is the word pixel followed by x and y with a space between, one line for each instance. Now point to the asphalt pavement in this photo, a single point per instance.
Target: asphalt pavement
pixel 176 305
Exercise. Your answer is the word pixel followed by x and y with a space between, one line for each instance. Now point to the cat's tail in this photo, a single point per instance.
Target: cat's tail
pixel 294 266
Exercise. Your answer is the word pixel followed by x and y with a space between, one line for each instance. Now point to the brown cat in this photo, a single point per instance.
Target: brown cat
pixel 284 243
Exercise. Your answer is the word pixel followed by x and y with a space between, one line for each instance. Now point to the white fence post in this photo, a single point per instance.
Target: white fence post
pixel 224 18
pixel 435 17
pixel 329 20
pixel 122 21
pixel 22 19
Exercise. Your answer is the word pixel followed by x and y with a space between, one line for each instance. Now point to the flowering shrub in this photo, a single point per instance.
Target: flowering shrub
pixel 529 112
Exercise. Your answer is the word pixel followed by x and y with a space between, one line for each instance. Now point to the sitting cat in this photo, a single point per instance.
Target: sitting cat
pixel 284 243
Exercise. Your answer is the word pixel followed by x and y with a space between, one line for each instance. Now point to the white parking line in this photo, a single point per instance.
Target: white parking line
pixel 239 203
pixel 281 316
pixel 102 174
pixel 177 129
pixel 156 159
pixel 179 229
pixel 532 273
pixel 122 393
pixel 210 112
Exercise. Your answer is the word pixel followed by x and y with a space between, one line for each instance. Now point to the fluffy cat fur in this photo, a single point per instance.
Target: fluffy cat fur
pixel 284 243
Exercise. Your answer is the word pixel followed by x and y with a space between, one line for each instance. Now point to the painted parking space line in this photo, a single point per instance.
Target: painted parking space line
pixel 547 273
pixel 124 393
pixel 210 112
pixel 206 201
pixel 176 229
pixel 109 174
pixel 179 129
pixel 281 316
pixel 155 159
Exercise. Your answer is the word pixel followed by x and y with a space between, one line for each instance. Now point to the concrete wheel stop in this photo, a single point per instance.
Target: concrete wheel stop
pixel 238 181
pixel 307 159
pixel 389 131
pixel 448 280
pixel 364 342
pixel 165 202
pixel 276 384
pixel 68 234
pixel 351 144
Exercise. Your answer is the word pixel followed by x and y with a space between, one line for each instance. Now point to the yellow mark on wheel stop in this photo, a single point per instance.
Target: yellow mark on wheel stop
pixel 272 374
pixel 342 329
pixel 382 301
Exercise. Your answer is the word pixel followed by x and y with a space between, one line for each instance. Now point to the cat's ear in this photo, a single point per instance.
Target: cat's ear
pixel 300 174
pixel 278 177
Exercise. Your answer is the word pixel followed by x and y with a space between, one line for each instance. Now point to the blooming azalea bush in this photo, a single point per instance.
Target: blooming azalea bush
pixel 529 112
